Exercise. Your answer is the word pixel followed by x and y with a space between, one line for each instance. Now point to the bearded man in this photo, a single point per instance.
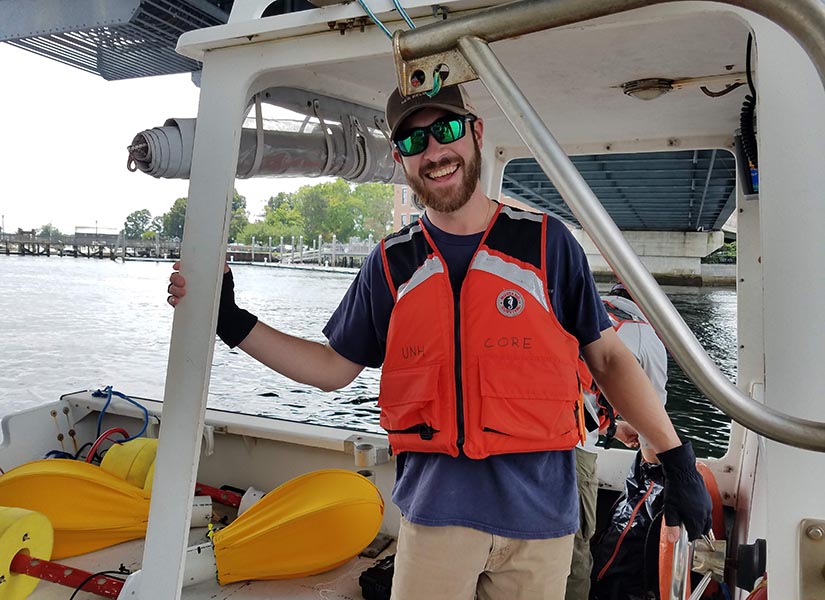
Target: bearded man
pixel 476 314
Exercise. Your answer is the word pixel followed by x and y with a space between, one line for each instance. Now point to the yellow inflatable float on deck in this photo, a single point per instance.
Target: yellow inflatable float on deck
pixel 308 525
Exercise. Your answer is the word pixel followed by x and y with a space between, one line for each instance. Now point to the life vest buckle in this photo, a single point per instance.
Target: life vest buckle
pixel 426 432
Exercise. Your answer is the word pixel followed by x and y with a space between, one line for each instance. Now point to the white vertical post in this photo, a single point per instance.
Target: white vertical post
pixel 320 248
pixel 292 251
pixel 223 98
pixel 252 250
pixel 281 250
pixel 791 128
pixel 333 250
pixel 493 161
pixel 301 248
pixel 269 249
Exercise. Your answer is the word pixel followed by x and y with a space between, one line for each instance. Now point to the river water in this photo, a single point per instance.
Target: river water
pixel 69 324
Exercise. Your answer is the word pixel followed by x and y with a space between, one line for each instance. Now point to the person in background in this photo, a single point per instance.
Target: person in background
pixel 476 314
pixel 641 339
pixel 638 335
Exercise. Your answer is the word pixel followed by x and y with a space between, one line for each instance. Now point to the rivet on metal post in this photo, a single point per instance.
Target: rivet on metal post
pixel 815 532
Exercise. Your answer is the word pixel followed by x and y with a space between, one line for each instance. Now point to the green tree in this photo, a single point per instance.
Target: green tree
pixel 275 201
pixel 375 201
pixel 240 218
pixel 156 226
pixel 322 209
pixel 137 223
pixel 343 217
pixel 315 202
pixel 49 231
pixel 173 220
pixel 285 220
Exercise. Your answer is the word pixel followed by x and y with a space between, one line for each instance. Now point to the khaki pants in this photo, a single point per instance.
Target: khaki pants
pixel 578 584
pixel 459 563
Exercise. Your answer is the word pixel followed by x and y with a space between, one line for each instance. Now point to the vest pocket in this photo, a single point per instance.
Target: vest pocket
pixel 529 399
pixel 408 399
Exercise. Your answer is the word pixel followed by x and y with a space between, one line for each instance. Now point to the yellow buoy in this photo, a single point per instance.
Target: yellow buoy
pixel 132 460
pixel 309 525
pixel 21 531
pixel 89 508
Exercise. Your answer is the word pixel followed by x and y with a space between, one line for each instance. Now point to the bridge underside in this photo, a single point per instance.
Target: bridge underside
pixel 684 190
pixel 671 207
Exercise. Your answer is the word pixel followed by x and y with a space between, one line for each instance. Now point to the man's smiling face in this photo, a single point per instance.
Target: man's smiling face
pixel 444 176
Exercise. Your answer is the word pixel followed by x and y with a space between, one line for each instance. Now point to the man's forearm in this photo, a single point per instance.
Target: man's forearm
pixel 621 379
pixel 301 360
pixel 639 405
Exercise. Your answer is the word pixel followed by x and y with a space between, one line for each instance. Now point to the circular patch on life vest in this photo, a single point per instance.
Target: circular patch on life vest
pixel 510 303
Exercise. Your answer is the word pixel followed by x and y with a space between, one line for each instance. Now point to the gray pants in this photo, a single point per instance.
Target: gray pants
pixel 578 582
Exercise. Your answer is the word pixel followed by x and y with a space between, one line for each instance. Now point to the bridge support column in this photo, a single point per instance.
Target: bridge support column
pixel 672 257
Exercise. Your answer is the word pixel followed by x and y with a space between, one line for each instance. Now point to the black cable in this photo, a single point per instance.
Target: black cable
pixel 79 588
pixel 748 65
pixel 59 454
pixel 748 114
pixel 81 449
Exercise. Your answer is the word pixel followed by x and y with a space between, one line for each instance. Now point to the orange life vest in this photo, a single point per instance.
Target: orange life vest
pixel 495 372
pixel 619 317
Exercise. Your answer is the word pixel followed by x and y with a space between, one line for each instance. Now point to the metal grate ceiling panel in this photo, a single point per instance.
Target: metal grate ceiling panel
pixel 139 42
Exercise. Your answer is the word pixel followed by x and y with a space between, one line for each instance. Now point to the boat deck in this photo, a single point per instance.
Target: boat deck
pixel 338 584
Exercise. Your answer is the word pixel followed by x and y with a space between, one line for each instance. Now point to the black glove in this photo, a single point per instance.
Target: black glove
pixel 686 499
pixel 234 323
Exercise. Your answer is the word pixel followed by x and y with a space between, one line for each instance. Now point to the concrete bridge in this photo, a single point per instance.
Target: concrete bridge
pixel 673 207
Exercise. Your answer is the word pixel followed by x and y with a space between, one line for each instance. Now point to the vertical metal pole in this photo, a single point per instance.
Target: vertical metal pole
pixel 680 571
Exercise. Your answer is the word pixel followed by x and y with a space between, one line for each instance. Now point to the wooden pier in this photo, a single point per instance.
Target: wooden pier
pixel 113 247
pixel 330 254
pixel 88 245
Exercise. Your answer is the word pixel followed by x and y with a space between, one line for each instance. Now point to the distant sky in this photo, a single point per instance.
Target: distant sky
pixel 63 138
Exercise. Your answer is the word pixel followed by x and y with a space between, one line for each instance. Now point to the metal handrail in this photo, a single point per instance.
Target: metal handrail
pixel 803 19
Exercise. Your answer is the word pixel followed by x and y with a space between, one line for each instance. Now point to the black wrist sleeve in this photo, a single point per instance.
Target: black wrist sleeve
pixel 234 323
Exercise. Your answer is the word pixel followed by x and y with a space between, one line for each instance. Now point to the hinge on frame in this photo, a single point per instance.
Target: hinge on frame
pixel 416 76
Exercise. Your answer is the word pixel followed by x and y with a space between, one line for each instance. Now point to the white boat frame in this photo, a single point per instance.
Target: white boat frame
pixel 775 487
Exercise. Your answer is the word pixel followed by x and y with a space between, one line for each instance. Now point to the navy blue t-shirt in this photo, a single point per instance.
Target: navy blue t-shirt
pixel 528 495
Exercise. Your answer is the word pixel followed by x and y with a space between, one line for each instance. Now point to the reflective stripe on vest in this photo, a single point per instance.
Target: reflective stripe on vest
pixel 497 373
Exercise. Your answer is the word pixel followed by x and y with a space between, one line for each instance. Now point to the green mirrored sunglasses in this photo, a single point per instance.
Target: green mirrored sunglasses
pixel 445 130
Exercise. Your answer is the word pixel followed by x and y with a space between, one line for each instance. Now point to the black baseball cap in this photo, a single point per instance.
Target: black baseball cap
pixel 453 98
